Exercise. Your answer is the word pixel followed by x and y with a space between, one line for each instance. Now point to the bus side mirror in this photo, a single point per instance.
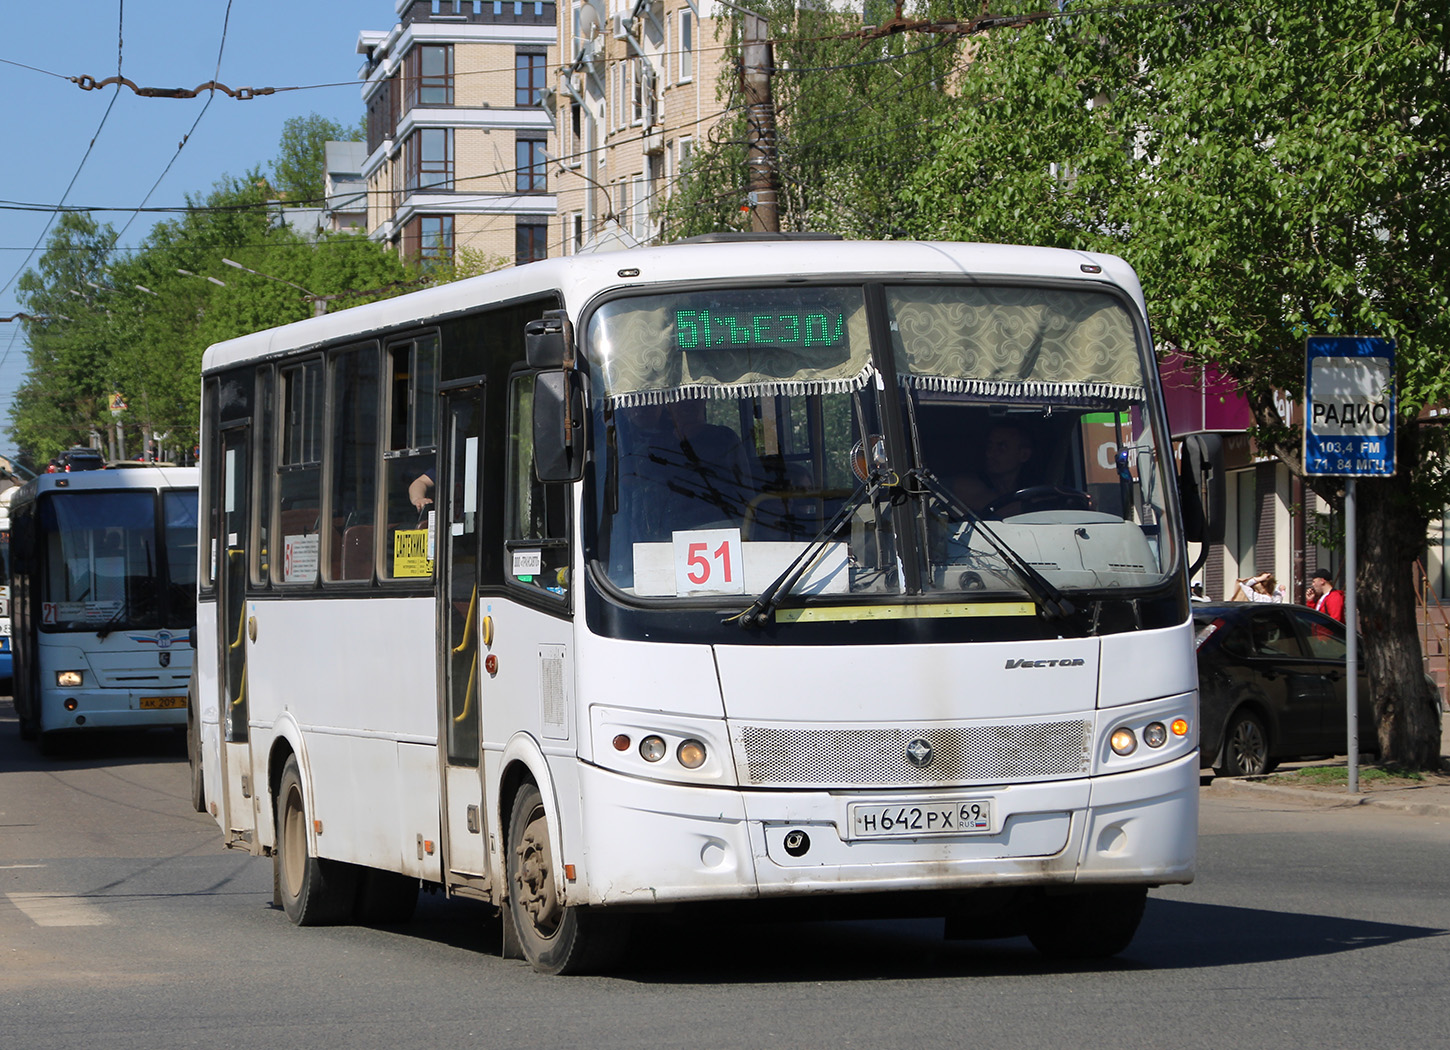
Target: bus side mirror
pixel 548 341
pixel 1202 489
pixel 559 426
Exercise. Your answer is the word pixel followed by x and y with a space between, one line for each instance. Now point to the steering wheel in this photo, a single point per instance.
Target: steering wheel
pixel 1040 497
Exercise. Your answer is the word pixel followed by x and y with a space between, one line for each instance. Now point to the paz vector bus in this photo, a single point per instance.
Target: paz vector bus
pixel 718 572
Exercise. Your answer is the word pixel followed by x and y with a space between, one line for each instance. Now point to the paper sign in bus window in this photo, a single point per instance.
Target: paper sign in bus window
pixel 411 553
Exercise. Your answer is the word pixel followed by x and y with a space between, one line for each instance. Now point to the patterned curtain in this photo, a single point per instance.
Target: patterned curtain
pixel 1015 342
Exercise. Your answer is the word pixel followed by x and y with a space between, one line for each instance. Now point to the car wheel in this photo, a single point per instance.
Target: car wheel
pixel 1245 748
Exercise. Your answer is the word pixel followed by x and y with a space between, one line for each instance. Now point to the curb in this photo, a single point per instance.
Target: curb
pixel 1332 800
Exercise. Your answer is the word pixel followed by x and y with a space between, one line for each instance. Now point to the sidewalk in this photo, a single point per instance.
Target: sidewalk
pixel 1429 796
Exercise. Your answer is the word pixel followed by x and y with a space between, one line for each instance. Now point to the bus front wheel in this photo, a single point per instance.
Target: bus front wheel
pixel 554 938
pixel 1092 924
pixel 313 891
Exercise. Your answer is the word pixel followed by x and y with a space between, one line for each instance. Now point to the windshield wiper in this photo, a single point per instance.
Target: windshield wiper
pixel 763 608
pixel 115 620
pixel 1054 603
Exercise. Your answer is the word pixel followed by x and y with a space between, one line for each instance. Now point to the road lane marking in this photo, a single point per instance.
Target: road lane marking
pixel 49 909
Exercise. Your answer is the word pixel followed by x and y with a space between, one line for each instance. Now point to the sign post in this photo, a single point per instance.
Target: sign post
pixel 1349 432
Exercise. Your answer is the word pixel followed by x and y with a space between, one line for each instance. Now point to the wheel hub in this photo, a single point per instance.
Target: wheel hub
pixel 534 881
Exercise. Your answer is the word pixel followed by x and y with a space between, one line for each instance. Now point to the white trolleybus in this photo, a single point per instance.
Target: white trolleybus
pixel 103 598
pixel 705 573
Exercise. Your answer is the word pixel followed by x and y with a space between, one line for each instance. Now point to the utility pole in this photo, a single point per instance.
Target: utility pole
pixel 757 65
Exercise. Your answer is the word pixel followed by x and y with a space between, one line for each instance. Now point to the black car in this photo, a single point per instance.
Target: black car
pixel 78 458
pixel 1272 686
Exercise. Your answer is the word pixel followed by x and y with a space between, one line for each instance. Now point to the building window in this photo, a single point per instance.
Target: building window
pixel 530 173
pixel 435 239
pixel 687 46
pixel 531 242
pixel 429 159
pixel 528 78
pixel 428 71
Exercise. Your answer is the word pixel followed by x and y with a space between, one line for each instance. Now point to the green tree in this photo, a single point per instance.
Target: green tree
pixel 852 120
pixel 1272 171
pixel 65 396
pixel 298 172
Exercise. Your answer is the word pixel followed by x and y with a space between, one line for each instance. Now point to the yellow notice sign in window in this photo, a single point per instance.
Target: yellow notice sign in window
pixel 410 553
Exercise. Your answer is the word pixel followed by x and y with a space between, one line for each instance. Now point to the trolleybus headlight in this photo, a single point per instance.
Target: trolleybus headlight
pixel 1123 741
pixel 1155 734
pixel 691 754
pixel 652 748
pixel 68 679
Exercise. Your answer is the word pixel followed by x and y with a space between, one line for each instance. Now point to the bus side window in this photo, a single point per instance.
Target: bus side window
pixel 536 530
pixel 354 459
pixel 410 458
pixel 298 491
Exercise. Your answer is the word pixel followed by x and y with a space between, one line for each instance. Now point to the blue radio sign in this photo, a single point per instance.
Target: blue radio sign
pixel 1349 414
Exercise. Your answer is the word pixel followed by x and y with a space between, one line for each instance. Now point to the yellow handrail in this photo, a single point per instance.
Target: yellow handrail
pixel 469 642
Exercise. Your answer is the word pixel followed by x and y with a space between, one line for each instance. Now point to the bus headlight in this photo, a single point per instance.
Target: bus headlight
pixel 691 754
pixel 652 748
pixel 1155 734
pixel 68 679
pixel 1124 742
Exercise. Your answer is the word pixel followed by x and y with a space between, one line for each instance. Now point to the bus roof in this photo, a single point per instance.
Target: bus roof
pixel 103 480
pixel 578 278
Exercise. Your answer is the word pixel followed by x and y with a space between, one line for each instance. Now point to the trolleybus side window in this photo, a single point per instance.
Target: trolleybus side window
pixel 536 539
pixel 299 475
pixel 411 453
pixel 354 457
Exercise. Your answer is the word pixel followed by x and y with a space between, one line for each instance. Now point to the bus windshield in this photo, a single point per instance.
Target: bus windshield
pixel 1000 439
pixel 108 566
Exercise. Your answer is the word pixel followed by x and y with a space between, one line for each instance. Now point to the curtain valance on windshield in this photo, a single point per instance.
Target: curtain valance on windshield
pixel 1015 342
pixel 731 344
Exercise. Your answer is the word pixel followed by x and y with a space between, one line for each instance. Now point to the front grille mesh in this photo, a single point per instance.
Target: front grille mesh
pixel 960 754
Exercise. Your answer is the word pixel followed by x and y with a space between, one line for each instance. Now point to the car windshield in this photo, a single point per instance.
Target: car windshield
pixel 1012 441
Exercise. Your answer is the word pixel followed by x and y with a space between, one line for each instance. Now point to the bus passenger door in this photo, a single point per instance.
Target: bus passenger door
pixel 458 524
pixel 239 796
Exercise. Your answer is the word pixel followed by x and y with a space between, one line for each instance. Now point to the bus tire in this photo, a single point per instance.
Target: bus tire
pixel 385 898
pixel 314 892
pixel 555 939
pixel 193 756
pixel 1093 924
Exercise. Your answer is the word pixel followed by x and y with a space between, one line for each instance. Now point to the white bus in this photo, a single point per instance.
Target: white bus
pixel 103 599
pixel 627 581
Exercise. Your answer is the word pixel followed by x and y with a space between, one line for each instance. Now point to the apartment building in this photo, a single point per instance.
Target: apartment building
pixel 635 90
pixel 457 140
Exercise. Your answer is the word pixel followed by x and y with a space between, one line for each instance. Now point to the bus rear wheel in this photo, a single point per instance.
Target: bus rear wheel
pixel 555 938
pixel 1093 924
pixel 313 891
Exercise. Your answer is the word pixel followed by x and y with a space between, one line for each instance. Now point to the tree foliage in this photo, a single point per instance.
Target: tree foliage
pixel 137 326
pixel 1272 171
pixel 299 171
pixel 852 121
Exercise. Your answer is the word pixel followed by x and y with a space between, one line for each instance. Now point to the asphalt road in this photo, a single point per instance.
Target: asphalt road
pixel 123 923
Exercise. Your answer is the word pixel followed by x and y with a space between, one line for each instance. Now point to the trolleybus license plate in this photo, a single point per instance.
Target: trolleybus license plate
pixel 152 703
pixel 915 819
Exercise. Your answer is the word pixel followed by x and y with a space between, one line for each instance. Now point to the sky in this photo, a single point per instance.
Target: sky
pixel 56 132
